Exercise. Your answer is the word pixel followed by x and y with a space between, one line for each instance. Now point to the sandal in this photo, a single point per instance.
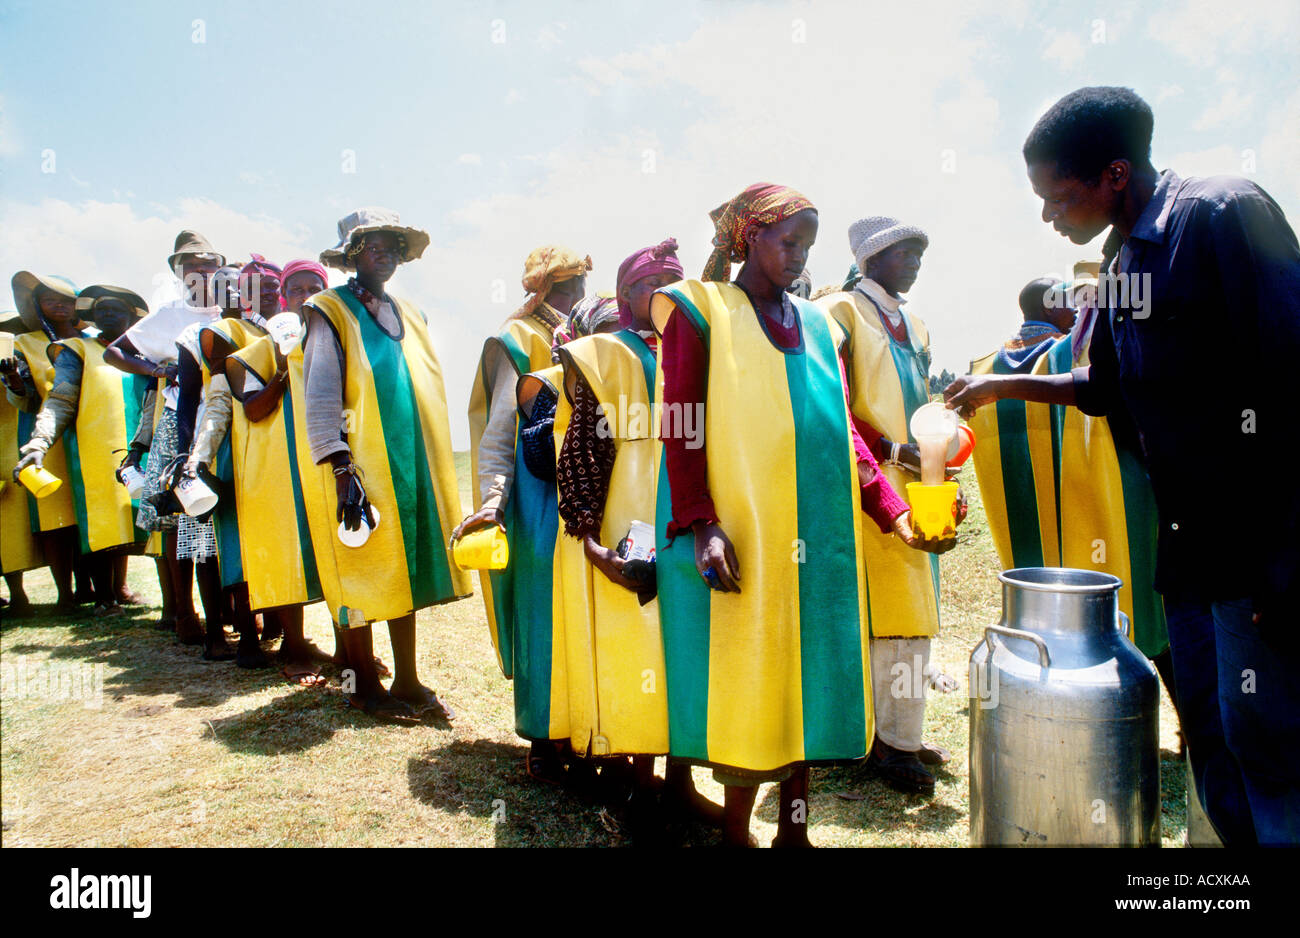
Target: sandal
pixel 930 754
pixel 901 770
pixel 303 675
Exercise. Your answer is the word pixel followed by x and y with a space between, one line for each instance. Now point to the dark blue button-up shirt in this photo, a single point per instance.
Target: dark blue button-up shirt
pixel 1200 365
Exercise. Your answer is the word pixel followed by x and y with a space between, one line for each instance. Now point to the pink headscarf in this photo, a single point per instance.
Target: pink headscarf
pixel 646 263
pixel 259 266
pixel 298 266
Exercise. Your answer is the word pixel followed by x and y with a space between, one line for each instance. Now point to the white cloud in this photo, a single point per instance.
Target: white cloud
pixel 114 242
pixel 1167 92
pixel 1279 151
pixel 808 115
pixel 1065 50
pixel 470 159
pixel 1203 30
pixel 1231 107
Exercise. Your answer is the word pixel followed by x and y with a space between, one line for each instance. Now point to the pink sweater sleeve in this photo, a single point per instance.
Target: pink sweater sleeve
pixel 879 500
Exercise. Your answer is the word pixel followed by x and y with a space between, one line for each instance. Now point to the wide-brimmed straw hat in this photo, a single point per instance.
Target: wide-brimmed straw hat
pixel 25 283
pixel 364 221
pixel 90 296
pixel 191 242
pixel 869 236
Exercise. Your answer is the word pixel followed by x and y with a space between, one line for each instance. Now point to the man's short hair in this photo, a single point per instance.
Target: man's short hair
pixel 1090 128
pixel 1033 297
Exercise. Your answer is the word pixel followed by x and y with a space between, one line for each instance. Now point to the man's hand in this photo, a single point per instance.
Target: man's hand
pixel 969 393
pixel 35 458
pixel 609 563
pixel 714 551
pixel 484 517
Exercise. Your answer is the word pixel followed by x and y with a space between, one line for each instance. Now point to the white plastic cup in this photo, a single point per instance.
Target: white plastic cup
pixel 362 533
pixel 195 496
pixel 640 542
pixel 286 330
pixel 934 427
pixel 134 480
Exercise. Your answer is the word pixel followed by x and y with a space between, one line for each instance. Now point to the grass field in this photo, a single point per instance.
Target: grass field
pixel 179 752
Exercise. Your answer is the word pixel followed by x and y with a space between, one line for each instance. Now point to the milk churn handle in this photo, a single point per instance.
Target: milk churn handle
pixel 1044 658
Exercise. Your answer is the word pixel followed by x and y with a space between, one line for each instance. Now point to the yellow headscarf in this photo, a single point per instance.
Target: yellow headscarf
pixel 545 267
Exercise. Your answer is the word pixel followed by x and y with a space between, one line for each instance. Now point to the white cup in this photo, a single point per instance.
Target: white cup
pixel 362 533
pixel 195 496
pixel 640 542
pixel 134 480
pixel 286 329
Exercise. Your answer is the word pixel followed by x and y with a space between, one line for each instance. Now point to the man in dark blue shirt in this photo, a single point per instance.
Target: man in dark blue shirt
pixel 1201 283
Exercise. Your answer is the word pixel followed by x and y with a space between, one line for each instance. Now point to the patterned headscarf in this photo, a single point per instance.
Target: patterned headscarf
pixel 545 267
pixel 762 204
pixel 646 262
pixel 591 313
pixel 260 267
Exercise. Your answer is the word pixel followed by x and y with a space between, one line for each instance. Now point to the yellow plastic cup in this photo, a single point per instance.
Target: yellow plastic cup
pixel 934 508
pixel 39 481
pixel 484 549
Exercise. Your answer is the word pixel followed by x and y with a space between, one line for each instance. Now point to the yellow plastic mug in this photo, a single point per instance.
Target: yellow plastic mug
pixel 484 549
pixel 934 508
pixel 39 481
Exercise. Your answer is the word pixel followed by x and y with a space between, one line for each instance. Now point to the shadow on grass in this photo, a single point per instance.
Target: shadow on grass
pixel 873 805
pixel 299 720
pixel 148 662
pixel 487 779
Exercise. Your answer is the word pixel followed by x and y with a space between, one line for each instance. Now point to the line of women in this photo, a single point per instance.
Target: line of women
pixel 743 424
pixel 697 480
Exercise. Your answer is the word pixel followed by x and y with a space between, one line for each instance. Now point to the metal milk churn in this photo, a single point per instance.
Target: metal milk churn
pixel 1064 710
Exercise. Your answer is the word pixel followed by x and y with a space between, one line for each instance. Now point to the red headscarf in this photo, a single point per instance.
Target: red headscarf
pixel 762 204
pixel 646 263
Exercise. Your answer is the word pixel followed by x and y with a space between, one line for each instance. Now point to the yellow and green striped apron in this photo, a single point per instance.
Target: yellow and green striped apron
pixel 888 381
pixel 617 695
pixel 56 510
pixel 280 564
pixel 1016 457
pixel 526 344
pixel 1057 491
pixel 779 673
pixel 107 414
pixel 395 408
pixel 18 548
pixel 226 517
pixel 534 639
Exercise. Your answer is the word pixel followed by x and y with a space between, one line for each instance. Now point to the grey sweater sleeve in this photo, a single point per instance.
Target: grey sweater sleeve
pixel 60 407
pixel 323 376
pixel 496 449
pixel 143 438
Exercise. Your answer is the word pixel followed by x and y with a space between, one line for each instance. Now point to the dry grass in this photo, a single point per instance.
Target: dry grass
pixel 184 753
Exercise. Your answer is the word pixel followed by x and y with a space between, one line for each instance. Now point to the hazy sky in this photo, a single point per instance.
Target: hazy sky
pixel 605 126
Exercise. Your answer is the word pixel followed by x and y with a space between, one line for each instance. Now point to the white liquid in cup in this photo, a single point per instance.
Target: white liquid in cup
pixel 934 427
